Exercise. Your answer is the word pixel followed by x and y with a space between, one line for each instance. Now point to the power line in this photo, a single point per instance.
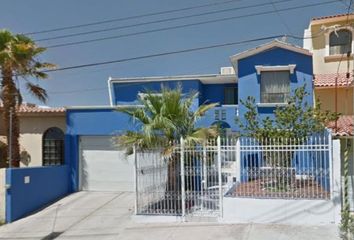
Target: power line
pixel 185 25
pixel 161 54
pixel 161 21
pixel 280 17
pixel 130 17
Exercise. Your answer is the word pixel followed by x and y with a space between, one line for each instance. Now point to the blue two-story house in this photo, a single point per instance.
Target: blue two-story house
pixel 269 73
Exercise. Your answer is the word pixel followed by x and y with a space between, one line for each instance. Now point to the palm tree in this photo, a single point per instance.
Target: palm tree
pixel 164 118
pixel 18 60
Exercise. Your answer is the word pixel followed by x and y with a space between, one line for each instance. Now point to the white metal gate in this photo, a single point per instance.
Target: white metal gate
pixel 194 178
pixel 186 183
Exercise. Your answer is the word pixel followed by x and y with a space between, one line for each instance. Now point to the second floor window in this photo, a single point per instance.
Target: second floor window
pixel 340 42
pixel 275 86
pixel 230 95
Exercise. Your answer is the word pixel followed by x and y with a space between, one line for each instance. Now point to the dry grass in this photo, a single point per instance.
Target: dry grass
pixel 300 189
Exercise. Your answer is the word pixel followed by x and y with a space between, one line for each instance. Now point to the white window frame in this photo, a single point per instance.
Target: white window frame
pixel 261 68
pixel 143 95
pixel 328 33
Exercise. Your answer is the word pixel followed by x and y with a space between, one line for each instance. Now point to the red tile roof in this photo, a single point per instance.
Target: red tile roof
pixel 329 80
pixel 330 16
pixel 32 108
pixel 345 126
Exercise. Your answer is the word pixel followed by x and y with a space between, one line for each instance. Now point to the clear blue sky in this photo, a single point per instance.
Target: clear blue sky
pixel 89 86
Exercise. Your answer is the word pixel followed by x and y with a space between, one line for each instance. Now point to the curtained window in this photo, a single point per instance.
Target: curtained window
pixel 275 86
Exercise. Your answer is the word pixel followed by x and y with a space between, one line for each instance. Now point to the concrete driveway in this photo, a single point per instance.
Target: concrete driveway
pixel 98 215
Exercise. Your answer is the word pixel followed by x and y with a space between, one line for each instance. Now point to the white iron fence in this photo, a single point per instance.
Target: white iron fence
pixel 192 179
pixel 285 168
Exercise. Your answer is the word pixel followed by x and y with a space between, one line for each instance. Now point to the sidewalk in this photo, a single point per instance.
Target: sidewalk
pixel 93 215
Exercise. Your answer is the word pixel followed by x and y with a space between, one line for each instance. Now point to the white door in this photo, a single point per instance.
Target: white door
pixel 104 167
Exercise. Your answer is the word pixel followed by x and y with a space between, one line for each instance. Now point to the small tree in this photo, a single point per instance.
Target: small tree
pixel 295 120
pixel 292 123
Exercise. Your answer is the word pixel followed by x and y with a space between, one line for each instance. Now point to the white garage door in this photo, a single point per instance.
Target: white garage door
pixel 104 167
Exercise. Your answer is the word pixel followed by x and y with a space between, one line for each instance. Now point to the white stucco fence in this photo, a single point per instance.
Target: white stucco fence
pixel 286 211
pixel 2 194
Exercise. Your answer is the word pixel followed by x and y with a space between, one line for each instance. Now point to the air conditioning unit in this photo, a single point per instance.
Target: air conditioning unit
pixel 227 71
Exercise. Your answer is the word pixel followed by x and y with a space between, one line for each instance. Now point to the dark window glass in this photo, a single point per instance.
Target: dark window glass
pixel 230 95
pixel 53 147
pixel 340 42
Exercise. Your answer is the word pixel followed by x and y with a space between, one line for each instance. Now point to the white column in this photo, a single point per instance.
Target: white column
pixel 238 161
pixel 135 179
pixel 183 181
pixel 336 187
pixel 221 193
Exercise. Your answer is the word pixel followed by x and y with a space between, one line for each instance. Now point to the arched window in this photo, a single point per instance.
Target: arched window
pixel 340 42
pixel 53 147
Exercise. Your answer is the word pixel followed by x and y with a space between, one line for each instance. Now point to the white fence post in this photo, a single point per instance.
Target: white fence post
pixel 220 179
pixel 183 181
pixel 336 187
pixel 238 161
pixel 135 179
pixel 330 162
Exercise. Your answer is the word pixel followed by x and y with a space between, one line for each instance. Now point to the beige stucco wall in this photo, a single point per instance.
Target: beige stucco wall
pixel 322 65
pixel 2 194
pixel 32 129
pixel 345 99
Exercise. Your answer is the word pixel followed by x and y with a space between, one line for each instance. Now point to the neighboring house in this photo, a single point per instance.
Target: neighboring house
pixel 330 39
pixel 42 132
pixel 269 73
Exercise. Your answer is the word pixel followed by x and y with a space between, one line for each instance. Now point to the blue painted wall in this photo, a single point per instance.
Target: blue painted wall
pixel 126 93
pixel 212 93
pixel 249 81
pixel 47 184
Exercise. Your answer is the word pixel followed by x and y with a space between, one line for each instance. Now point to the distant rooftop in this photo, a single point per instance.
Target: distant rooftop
pixel 332 16
pixel 33 108
pixel 345 126
pixel 329 80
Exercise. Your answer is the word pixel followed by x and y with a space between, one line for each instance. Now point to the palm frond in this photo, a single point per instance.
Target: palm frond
pixel 200 112
pixel 37 91
pixel 137 113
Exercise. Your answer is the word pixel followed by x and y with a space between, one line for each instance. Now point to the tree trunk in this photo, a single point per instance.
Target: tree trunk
pixel 173 187
pixel 10 103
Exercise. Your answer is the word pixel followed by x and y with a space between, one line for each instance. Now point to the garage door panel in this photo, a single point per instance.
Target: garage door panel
pixel 105 167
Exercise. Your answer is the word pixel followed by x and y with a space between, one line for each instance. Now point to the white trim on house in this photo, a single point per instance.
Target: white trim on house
pixel 100 107
pixel 275 43
pixel 229 105
pixel 261 68
pixel 271 104
pixel 207 79
pixel 110 91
